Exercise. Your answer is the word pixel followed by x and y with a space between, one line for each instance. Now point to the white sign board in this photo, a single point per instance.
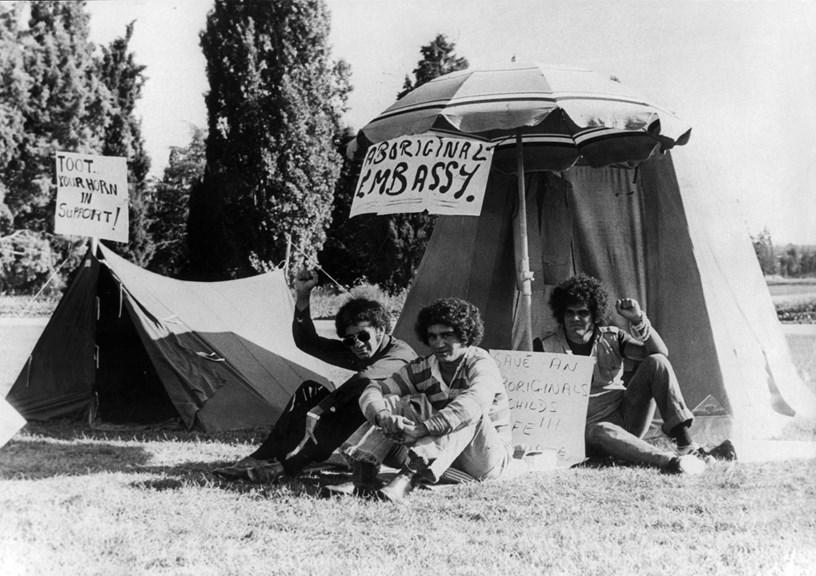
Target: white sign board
pixel 419 173
pixel 549 394
pixel 10 421
pixel 92 196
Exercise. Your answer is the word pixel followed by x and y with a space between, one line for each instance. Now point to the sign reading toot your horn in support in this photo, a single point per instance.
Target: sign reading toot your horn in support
pixel 548 394
pixel 419 173
pixel 92 196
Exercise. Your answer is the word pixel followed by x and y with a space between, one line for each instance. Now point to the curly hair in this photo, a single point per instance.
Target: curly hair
pixel 459 314
pixel 362 310
pixel 580 290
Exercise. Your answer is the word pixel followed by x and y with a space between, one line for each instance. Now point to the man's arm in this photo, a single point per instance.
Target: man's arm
pixel 304 332
pixel 467 407
pixel 647 340
pixel 372 400
pixel 376 410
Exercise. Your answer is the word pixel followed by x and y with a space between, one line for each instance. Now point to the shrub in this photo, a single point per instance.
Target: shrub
pixel 800 312
pixel 327 300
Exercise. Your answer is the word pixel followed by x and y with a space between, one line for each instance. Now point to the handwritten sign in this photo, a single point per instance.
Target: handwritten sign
pixel 549 394
pixel 10 422
pixel 419 173
pixel 92 196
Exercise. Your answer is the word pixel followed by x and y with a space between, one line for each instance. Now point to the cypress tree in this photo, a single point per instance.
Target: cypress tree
pixel 273 108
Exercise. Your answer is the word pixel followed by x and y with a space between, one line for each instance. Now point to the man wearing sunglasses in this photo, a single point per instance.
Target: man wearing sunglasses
pixel 316 421
pixel 619 415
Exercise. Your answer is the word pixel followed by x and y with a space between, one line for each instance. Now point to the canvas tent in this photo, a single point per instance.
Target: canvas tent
pixel 671 244
pixel 139 347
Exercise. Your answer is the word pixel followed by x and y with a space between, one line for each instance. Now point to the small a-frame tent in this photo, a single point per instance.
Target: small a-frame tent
pixel 133 346
pixel 671 244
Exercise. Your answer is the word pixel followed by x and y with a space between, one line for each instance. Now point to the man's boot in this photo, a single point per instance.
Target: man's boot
pixel 364 475
pixel 400 486
pixel 364 481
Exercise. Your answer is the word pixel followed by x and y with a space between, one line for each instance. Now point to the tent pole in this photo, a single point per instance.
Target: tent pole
pixel 525 276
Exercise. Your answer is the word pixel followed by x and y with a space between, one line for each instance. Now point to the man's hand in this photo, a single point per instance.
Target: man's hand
pixel 629 309
pixel 311 424
pixel 393 424
pixel 413 433
pixel 305 282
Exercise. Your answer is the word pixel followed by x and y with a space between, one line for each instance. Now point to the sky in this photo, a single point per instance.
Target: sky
pixel 741 73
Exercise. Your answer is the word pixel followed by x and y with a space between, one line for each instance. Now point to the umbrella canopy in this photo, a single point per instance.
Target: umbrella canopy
pixel 551 117
pixel 563 114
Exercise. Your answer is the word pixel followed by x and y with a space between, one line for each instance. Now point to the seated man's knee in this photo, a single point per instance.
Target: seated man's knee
pixel 656 361
pixel 598 432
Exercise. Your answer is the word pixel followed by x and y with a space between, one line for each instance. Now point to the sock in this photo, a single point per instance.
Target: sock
pixel 681 435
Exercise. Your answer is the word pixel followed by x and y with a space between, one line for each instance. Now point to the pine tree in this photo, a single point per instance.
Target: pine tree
pixel 123 137
pixel 66 107
pixel 13 86
pixel 170 205
pixel 397 242
pixel 273 111
pixel 51 84
pixel 438 59
pixel 345 255
pixel 14 83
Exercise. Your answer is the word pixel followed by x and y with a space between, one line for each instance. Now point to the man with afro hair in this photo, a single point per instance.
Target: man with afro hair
pixel 316 421
pixel 619 415
pixel 447 410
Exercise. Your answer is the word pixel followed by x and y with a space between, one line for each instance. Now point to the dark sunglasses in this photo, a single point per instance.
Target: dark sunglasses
pixel 583 313
pixel 361 336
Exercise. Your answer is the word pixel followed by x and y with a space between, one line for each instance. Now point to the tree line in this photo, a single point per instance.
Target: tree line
pixel 789 261
pixel 266 181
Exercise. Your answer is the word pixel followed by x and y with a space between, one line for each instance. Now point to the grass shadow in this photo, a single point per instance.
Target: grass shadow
pixel 31 459
pixel 199 474
pixel 38 459
pixel 91 455
pixel 172 430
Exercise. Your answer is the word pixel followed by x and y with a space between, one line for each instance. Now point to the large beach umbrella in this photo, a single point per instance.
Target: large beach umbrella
pixel 539 116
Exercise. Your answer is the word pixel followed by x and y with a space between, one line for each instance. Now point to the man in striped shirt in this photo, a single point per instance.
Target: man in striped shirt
pixel 449 409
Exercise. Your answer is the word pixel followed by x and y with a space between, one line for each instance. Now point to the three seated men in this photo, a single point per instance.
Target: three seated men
pixel 449 409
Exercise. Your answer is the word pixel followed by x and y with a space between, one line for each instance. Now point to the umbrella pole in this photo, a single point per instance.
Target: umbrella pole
pixel 525 276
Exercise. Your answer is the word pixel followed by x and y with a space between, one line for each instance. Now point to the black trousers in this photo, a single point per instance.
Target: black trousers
pixel 333 428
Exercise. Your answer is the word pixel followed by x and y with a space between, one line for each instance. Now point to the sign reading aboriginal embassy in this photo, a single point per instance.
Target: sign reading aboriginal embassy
pixel 419 173
pixel 92 196
pixel 548 394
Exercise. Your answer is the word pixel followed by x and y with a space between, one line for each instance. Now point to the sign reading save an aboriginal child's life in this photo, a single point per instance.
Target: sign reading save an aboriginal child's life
pixel 419 173
pixel 92 196
pixel 10 421
pixel 548 394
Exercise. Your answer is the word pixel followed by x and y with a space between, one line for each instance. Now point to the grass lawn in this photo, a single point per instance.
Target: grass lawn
pixel 77 501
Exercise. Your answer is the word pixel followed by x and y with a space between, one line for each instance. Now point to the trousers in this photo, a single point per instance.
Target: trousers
pixel 620 434
pixel 477 449
pixel 331 430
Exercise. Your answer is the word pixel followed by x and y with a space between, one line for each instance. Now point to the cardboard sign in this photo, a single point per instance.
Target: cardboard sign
pixel 549 394
pixel 92 196
pixel 10 421
pixel 419 173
